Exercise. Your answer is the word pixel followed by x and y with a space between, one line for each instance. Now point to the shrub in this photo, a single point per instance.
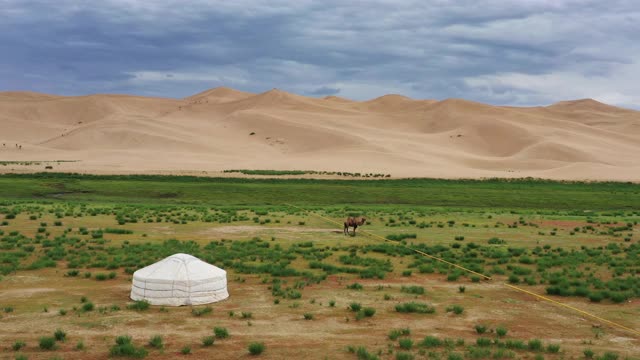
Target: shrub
pixel 588 353
pixel 18 345
pixel 363 354
pixel 501 331
pixel 496 241
pixel 417 290
pixel 88 306
pixel 400 237
pixel 534 345
pixel 596 296
pixel 355 307
pixel 60 335
pixel 72 273
pixel 456 309
pixel 220 332
pixel 8 309
pixel 481 329
pixel 431 341
pixel 208 340
pixel 406 343
pixel 156 342
pixel 553 348
pixel 308 316
pixel 515 344
pixel 354 286
pixel 610 356
pixel 332 303
pixel 368 311
pixel 415 307
pixel 256 348
pixel 125 348
pixel 406 273
pixel 101 277
pixel 80 345
pixel 247 315
pixel 47 343
pixel 483 342
pixel 201 311
pixel 186 350
pixel 404 356
pixel 461 288
pixel 139 305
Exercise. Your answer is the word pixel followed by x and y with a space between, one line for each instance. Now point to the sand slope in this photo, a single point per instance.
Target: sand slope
pixel 223 128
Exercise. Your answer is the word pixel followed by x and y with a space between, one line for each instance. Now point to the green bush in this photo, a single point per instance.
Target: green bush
pixel 256 348
pixel 355 307
pixel 404 356
pixel 220 332
pixel 588 353
pixel 125 348
pixel 456 309
pixel 308 316
pixel 534 345
pixel 18 345
pixel 417 290
pixel 553 348
pixel 501 331
pixel 369 311
pixel 405 343
pixel 431 341
pixel 186 350
pixel 415 307
pixel 156 342
pixel 208 340
pixel 355 286
pixel 139 305
pixel 201 311
pixel 60 335
pixel 47 343
pixel 483 342
pixel 481 329
pixel 88 306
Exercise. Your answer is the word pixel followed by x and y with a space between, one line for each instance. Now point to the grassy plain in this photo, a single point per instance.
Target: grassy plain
pixel 301 288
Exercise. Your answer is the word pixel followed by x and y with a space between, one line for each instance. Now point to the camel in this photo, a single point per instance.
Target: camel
pixel 354 223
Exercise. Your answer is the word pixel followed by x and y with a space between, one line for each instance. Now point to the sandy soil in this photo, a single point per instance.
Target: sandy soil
pixel 227 129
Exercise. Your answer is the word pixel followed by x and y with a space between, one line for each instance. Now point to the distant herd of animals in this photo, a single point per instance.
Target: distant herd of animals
pixel 353 222
pixel 17 146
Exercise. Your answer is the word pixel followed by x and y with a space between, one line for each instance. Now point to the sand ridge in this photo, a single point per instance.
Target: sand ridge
pixel 223 128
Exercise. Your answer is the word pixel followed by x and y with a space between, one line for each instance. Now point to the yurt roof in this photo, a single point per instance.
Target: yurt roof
pixel 180 267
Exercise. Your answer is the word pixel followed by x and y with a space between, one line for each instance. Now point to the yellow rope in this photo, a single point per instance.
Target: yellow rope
pixel 482 275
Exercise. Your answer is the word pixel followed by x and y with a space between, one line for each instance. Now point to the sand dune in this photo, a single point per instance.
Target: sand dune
pixel 224 128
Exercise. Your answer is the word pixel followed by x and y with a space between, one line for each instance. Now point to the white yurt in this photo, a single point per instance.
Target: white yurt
pixel 180 279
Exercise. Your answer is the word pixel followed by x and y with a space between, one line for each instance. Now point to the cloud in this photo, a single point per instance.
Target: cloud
pixel 503 52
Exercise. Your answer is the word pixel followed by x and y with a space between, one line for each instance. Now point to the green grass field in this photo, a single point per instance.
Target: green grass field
pixel 504 194
pixel 66 237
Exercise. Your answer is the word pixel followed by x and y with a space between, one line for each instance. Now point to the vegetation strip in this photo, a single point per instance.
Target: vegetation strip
pixel 484 276
pixel 578 198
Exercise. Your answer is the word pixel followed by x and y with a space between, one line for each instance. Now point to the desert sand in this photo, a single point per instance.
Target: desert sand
pixel 223 129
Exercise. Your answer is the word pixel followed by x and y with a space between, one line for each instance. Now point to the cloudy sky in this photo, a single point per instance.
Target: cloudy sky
pixel 514 52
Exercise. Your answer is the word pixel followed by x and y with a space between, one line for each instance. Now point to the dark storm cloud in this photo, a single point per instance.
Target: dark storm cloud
pixel 504 52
